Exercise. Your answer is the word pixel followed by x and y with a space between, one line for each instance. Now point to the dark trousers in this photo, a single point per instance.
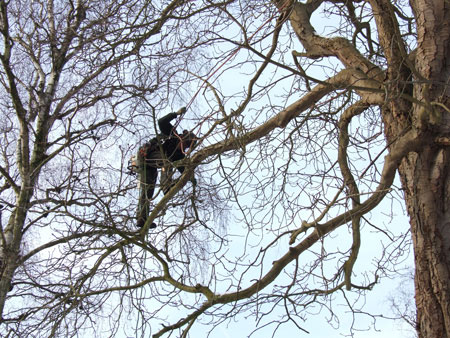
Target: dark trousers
pixel 147 182
pixel 148 175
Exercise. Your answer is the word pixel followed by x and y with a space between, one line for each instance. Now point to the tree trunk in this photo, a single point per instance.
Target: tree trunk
pixel 425 175
pixel 426 181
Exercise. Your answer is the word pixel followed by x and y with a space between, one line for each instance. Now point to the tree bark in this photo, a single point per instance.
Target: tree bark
pixel 425 178
pixel 425 175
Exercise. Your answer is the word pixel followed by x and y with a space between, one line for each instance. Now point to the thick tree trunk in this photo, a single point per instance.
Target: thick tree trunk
pixel 426 175
pixel 426 180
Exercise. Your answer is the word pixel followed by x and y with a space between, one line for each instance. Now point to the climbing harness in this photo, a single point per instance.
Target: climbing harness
pixel 144 153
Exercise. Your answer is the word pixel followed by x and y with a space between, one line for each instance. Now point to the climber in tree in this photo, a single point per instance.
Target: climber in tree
pixel 160 152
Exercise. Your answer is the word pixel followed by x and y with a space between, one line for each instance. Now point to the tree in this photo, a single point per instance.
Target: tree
pixel 76 79
pixel 290 168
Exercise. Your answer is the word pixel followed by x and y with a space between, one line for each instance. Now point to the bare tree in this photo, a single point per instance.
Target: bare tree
pixel 80 80
pixel 292 162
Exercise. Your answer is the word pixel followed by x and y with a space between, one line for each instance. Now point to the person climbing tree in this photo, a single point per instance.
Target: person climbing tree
pixel 161 152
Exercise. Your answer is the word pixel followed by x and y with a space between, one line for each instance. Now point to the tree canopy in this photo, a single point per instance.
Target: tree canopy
pixel 319 123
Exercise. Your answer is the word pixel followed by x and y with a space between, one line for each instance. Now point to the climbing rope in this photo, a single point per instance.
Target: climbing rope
pixel 223 63
pixel 234 52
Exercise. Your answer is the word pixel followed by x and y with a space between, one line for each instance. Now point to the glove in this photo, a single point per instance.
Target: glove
pixel 181 111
